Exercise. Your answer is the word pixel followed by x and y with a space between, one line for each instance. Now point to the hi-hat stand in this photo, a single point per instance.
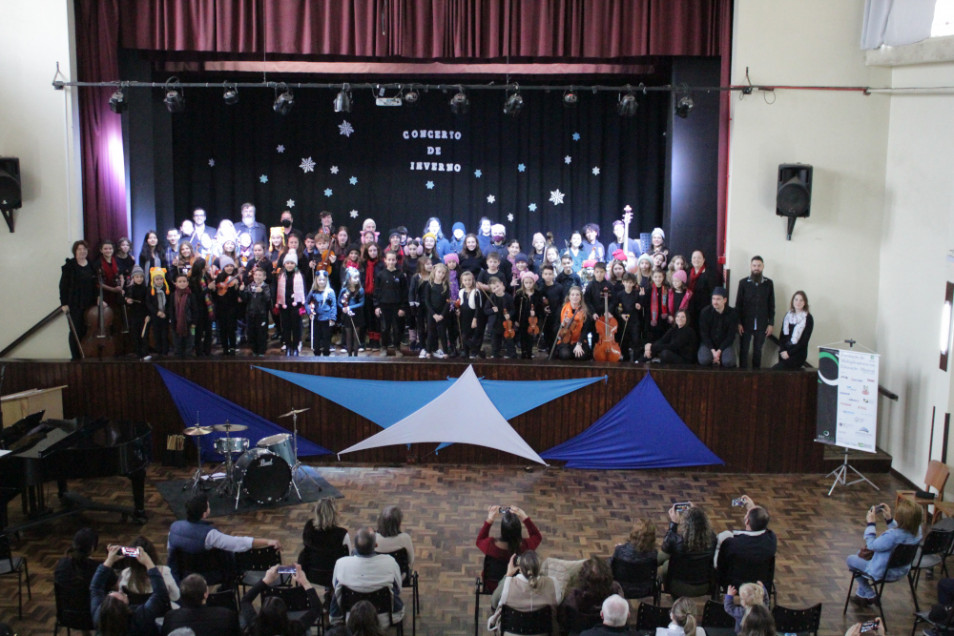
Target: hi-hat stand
pixel 298 468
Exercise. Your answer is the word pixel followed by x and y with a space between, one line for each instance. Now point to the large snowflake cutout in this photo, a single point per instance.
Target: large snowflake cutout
pixel 576 136
pixel 334 169
pixel 521 167
pixel 280 149
pixel 510 217
pixel 491 198
pixel 478 173
pixel 211 163
pixel 290 203
pixel 307 164
pixel 556 197
pixel 328 192
pixel 353 180
pixel 345 128
pixel 596 171
pixel 568 160
pixel 429 185
pixel 263 178
pixel 353 214
pixel 532 207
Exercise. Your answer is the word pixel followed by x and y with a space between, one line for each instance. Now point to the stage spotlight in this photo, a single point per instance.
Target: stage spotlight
pixel 175 98
pixel 230 95
pixel 570 98
pixel 284 100
pixel 411 96
pixel 627 105
pixel 459 103
pixel 343 99
pixel 117 101
pixel 684 106
pixel 514 103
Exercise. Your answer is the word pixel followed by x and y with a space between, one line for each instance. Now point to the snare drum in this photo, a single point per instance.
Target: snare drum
pixel 231 445
pixel 262 476
pixel 281 445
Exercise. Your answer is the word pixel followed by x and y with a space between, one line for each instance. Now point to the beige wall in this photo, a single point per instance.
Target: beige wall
pixel 35 126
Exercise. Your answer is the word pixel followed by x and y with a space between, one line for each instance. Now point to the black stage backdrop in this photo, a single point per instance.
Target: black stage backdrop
pixel 549 168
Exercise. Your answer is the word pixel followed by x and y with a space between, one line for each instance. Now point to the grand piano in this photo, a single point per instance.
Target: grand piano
pixel 58 450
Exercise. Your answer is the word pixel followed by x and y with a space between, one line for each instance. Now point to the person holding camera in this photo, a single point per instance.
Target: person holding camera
pixel 272 617
pixel 111 611
pixel 871 628
pixel 755 544
pixel 904 527
pixel 511 539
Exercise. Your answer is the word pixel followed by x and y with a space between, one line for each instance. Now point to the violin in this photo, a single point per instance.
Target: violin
pixel 606 350
pixel 98 343
pixel 533 328
pixel 327 258
pixel 222 288
pixel 509 332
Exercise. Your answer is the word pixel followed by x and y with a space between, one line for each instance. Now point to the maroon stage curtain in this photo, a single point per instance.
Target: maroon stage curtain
pixel 382 30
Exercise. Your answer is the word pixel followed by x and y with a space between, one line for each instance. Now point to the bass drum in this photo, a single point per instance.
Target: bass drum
pixel 262 476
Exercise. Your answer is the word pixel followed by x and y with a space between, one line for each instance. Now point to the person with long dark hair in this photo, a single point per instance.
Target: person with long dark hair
pixel 74 572
pixel 272 618
pixel 797 326
pixel 689 532
pixel 390 538
pixel 77 293
pixel 511 540
pixel 151 253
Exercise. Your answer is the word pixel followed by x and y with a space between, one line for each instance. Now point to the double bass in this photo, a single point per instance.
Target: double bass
pixel 607 349
pixel 99 342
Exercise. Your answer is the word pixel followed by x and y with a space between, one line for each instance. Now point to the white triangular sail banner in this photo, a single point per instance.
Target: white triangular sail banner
pixel 475 421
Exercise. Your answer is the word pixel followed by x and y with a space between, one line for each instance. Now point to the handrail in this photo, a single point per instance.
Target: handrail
pixel 29 332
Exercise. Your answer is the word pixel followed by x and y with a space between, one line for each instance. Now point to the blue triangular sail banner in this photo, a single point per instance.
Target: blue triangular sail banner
pixel 641 431
pixel 190 399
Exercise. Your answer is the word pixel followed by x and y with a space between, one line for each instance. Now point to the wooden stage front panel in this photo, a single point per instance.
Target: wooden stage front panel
pixel 757 422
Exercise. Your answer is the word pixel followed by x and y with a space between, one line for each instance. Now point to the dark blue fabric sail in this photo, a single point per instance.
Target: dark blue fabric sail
pixel 198 404
pixel 640 431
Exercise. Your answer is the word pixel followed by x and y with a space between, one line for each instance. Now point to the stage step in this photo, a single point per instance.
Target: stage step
pixel 879 462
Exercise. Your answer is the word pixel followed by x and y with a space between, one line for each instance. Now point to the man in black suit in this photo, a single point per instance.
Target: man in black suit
pixel 195 614
pixel 740 550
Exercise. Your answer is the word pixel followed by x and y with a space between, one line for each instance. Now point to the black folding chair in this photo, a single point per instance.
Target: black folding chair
pixel 72 609
pixel 931 554
pixel 715 616
pixel 223 598
pixel 573 621
pixel 797 621
pixel 649 617
pixel 296 601
pixel 743 570
pixel 902 556
pixel 409 579
pixel 690 570
pixel 250 566
pixel 538 621
pixel 14 566
pixel 637 578
pixel 215 566
pixel 380 598
pixel 491 575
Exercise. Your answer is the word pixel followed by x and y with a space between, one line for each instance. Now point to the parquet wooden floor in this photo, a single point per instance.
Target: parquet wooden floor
pixel 579 513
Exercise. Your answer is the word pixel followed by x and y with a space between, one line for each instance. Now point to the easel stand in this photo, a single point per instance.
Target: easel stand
pixel 841 475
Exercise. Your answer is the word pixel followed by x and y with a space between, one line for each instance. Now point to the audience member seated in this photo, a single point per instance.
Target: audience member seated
pixel 689 533
pixel 593 585
pixel 639 550
pixel 754 544
pixel 112 614
pixel 75 571
pixel 683 620
pixel 615 614
pixel 195 614
pixel 272 619
pixel 195 535
pixel 524 590
pixel 367 571
pixel 758 622
pixel 363 620
pixel 325 541
pixel 389 535
pixel 679 345
pixel 511 541
pixel 133 578
pixel 749 595
pixel 904 528
pixel 718 329
pixel 797 326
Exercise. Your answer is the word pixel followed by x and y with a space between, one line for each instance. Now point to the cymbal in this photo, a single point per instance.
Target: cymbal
pixel 294 412
pixel 228 428
pixel 195 431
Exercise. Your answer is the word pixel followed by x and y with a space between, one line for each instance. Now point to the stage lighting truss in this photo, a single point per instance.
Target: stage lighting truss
pixel 175 97
pixel 459 103
pixel 514 102
pixel 284 99
pixel 342 101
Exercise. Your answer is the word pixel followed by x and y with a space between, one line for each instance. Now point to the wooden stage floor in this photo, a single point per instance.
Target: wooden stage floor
pixel 580 513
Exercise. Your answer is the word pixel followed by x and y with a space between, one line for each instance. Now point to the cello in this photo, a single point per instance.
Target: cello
pixel 98 342
pixel 607 349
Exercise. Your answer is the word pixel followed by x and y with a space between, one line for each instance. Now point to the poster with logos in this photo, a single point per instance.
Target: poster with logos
pixel 847 398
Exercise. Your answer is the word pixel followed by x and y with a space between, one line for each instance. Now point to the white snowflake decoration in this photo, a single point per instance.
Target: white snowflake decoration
pixel 521 167
pixel 596 171
pixel 328 192
pixel 532 207
pixel 280 149
pixel 345 128
pixel 263 178
pixel 556 197
pixel 491 198
pixel 353 214
pixel 334 169
pixel 576 136
pixel 290 203
pixel 568 160
pixel 510 217
pixel 353 180
pixel 478 173
pixel 429 185
pixel 307 164
pixel 211 163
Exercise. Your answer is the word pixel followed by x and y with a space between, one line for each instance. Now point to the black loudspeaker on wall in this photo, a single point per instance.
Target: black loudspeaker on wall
pixel 793 198
pixel 11 196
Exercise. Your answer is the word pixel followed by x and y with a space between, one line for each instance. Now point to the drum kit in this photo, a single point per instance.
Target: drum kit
pixel 263 474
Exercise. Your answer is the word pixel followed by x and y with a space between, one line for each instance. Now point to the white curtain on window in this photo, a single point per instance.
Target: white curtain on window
pixel 896 22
